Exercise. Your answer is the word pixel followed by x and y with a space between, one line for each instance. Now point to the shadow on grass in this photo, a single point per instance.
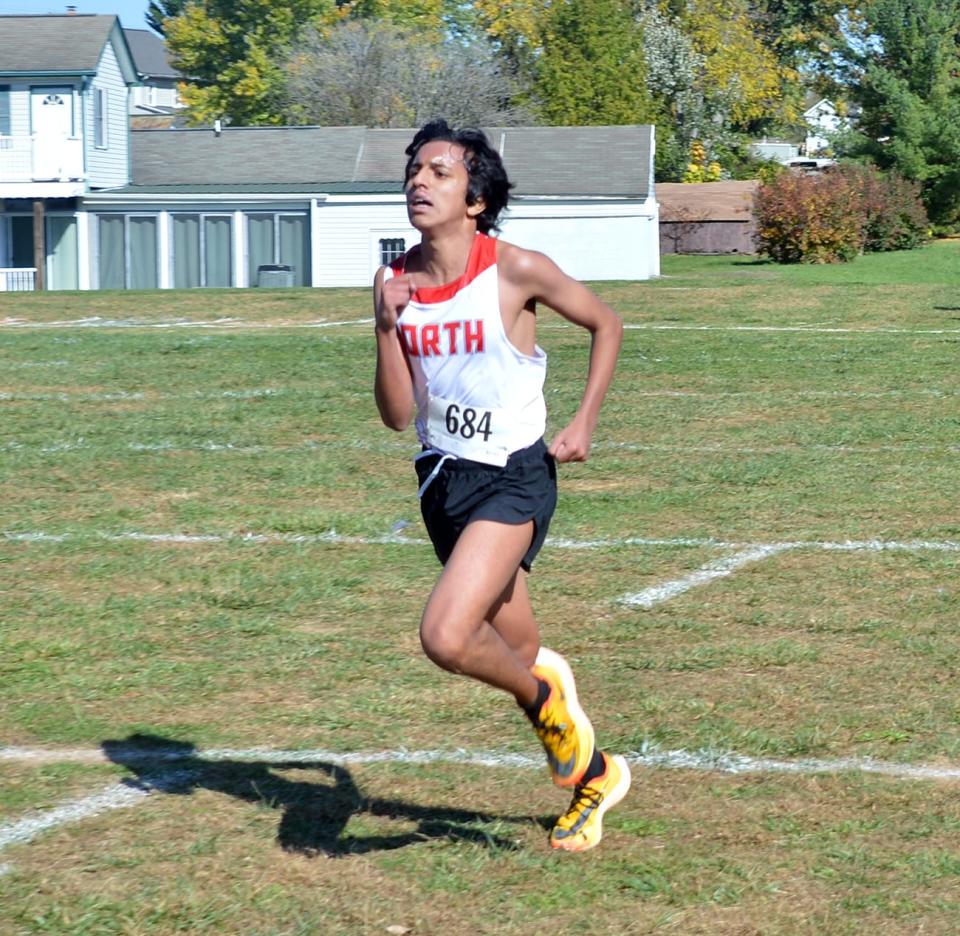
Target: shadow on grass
pixel 314 815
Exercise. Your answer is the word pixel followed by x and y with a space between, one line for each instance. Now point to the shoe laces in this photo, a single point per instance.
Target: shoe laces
pixel 585 797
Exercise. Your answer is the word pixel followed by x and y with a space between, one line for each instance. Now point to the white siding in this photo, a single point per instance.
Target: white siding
pixel 347 233
pixel 20 104
pixel 154 95
pixel 590 240
pixel 19 108
pixel 110 167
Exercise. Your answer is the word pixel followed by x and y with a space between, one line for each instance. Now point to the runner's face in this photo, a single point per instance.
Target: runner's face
pixel 437 185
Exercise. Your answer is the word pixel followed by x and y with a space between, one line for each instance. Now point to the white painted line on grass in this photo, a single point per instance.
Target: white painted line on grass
pixel 650 755
pixel 70 396
pixel 95 321
pixel 805 329
pixel 719 568
pixel 133 793
pixel 795 449
pixel 397 538
pixel 115 796
pixel 320 324
pixel 237 448
pixel 727 762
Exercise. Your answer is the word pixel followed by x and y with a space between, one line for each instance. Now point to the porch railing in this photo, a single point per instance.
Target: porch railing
pixel 18 279
pixel 40 158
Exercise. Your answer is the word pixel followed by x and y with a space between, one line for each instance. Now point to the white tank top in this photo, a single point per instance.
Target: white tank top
pixel 478 396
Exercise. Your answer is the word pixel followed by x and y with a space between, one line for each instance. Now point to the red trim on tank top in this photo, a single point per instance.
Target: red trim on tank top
pixel 483 255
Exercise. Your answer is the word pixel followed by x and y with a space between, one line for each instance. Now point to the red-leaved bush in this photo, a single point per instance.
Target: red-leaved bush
pixel 832 216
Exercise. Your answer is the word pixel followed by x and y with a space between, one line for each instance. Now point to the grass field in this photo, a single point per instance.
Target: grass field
pixel 214 714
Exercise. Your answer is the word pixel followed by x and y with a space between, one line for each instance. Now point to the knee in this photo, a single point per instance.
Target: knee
pixel 445 645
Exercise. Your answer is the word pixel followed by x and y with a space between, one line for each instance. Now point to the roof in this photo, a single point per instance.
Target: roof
pixel 44 45
pixel 558 161
pixel 819 106
pixel 262 188
pixel 706 201
pixel 150 54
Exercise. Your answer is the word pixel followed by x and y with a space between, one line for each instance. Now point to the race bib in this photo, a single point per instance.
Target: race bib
pixel 468 431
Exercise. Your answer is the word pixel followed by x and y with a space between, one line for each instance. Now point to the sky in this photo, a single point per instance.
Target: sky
pixel 131 12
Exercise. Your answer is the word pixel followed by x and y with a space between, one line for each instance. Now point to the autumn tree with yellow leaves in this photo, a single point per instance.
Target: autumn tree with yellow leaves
pixel 742 79
pixel 230 54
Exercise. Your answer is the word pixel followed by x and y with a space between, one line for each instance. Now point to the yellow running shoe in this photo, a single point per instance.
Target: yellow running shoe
pixel 581 826
pixel 563 728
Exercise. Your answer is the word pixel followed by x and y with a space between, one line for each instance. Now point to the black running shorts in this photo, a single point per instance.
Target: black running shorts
pixel 463 490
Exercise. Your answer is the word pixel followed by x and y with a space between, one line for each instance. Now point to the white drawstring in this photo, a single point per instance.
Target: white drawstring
pixel 436 468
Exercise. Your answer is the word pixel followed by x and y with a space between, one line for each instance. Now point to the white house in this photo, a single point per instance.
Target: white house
pixel 309 206
pixel 156 90
pixel 824 121
pixel 64 84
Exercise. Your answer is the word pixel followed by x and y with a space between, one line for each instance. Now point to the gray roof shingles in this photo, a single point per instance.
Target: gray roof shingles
pixel 549 161
pixel 67 45
pixel 150 54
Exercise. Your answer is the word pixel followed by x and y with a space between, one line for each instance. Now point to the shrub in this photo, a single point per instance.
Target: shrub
pixel 895 218
pixel 832 216
pixel 809 218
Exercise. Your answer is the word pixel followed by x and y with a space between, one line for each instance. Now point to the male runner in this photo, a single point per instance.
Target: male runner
pixel 455 328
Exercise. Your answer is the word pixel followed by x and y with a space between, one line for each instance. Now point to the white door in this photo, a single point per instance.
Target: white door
pixel 51 122
pixel 51 112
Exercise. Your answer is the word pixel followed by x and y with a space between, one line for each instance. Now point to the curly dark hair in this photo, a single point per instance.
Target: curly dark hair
pixel 487 176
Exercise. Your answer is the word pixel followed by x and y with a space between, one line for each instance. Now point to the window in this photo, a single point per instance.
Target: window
pixel 100 135
pixel 62 271
pixel 278 239
pixel 4 110
pixel 127 252
pixel 391 248
pixel 202 250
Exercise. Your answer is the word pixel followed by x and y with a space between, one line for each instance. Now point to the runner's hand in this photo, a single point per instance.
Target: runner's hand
pixel 394 296
pixel 570 444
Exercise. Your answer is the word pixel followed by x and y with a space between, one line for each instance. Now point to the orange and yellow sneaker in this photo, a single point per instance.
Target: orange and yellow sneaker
pixel 563 728
pixel 581 826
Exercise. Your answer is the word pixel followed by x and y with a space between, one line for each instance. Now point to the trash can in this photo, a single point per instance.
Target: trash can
pixel 274 274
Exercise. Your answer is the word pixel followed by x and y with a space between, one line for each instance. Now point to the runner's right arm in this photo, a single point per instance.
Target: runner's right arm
pixel 393 384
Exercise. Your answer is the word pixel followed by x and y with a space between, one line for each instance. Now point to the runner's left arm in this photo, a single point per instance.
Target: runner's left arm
pixel 537 275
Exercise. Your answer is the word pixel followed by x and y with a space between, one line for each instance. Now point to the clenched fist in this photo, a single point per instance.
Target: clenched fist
pixel 394 296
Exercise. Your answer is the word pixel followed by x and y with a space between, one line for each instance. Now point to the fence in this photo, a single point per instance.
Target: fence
pixel 23 279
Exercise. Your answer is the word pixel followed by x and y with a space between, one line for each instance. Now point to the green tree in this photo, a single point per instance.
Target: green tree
pixel 418 14
pixel 800 32
pixel 515 28
pixel 906 68
pixel 159 10
pixel 232 51
pixel 591 69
